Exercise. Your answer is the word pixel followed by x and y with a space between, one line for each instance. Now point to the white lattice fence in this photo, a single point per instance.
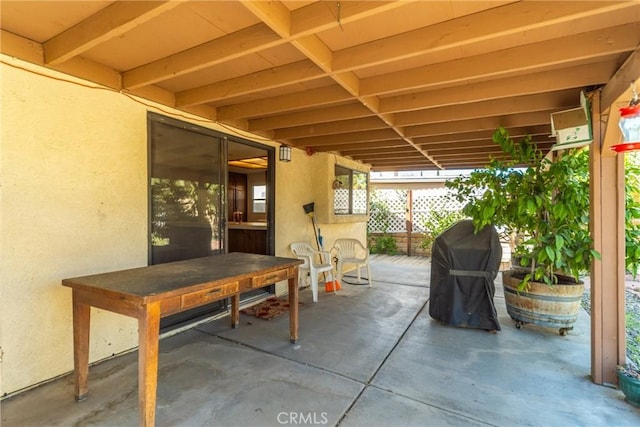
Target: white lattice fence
pixel 389 207
pixel 427 201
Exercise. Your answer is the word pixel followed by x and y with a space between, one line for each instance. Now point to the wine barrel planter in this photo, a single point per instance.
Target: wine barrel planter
pixel 551 306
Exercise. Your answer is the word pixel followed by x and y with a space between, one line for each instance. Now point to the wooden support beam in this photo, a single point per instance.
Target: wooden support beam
pixel 607 274
pixel 620 82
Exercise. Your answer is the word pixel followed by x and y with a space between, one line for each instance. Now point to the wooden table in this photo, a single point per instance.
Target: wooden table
pixel 149 293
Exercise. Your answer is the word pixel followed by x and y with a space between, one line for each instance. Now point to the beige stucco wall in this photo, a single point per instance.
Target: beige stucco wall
pixel 308 179
pixel 73 201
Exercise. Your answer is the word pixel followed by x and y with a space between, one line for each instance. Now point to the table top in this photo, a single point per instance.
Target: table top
pixel 167 278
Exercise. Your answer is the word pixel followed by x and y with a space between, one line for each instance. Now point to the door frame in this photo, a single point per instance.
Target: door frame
pixel 183 319
pixel 271 188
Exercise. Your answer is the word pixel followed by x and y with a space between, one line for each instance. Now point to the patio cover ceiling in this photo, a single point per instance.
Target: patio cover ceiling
pixel 398 85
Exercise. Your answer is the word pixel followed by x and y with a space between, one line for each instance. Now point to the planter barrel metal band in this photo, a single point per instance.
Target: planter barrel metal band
pixel 550 306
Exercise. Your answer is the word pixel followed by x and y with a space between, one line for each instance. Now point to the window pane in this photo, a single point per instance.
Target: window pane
pixel 350 192
pixel 185 193
pixel 260 192
pixel 341 191
pixel 360 192
pixel 259 206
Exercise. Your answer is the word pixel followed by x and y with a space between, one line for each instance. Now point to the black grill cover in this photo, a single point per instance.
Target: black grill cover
pixel 464 266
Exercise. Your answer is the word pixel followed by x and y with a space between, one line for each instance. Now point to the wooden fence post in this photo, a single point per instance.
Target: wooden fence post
pixel 408 222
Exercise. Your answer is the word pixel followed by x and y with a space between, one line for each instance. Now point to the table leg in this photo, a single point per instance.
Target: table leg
pixel 293 307
pixel 235 310
pixel 81 328
pixel 148 336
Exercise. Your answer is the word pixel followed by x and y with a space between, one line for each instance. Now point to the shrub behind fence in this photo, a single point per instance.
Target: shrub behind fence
pixel 400 219
pixel 390 209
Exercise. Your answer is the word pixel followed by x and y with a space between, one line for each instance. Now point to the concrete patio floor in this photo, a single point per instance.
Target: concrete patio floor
pixel 365 357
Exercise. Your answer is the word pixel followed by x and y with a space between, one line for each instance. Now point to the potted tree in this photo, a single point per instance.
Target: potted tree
pixel 546 205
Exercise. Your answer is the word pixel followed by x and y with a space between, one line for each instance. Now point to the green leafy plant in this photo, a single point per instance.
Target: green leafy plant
pixel 384 244
pixel 633 342
pixel 629 370
pixel 546 202
pixel 436 222
pixel 632 213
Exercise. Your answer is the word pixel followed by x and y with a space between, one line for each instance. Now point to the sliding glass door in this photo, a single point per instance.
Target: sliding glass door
pixel 187 167
pixel 196 179
pixel 186 191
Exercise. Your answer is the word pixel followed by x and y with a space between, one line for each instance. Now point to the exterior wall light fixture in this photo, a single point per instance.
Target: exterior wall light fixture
pixel 285 153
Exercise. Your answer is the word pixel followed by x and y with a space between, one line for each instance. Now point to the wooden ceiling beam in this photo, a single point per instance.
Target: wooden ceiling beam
pixel 485 123
pixel 319 115
pixel 391 147
pixel 304 21
pixel 545 81
pixel 403 162
pixel 482 153
pixel 276 15
pixel 365 151
pixel 479 152
pixel 312 98
pixel 522 59
pixel 479 27
pixel 568 98
pixel 621 81
pixel 21 47
pixel 344 138
pixel 341 126
pixel 473 144
pixel 273 14
pixel 315 17
pixel 346 149
pixel 284 75
pixel 472 156
pixel 514 132
pixel 418 159
pixel 397 155
pixel 587 75
pixel 110 22
pixel 375 168
pixel 322 16
pixel 467 164
pixel 31 51
pixel 226 48
pixel 502 71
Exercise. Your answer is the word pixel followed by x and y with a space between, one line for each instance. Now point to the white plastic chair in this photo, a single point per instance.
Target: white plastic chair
pixel 351 251
pixel 315 262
